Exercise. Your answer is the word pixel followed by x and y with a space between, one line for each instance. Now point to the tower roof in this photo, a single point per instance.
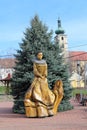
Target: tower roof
pixel 60 30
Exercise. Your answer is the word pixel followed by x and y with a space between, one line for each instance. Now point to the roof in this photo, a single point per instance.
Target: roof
pixel 78 56
pixel 60 29
pixel 7 62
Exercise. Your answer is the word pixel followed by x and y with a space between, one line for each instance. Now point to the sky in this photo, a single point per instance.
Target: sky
pixel 15 17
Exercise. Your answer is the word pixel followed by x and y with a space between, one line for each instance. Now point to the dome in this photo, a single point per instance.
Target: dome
pixel 60 29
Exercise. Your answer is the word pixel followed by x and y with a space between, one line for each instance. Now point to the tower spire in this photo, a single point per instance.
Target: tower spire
pixel 60 29
pixel 61 39
pixel 59 23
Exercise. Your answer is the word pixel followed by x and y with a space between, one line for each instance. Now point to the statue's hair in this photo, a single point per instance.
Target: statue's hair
pixel 38 51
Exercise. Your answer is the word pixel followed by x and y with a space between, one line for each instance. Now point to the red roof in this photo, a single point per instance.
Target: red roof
pixel 7 62
pixel 78 56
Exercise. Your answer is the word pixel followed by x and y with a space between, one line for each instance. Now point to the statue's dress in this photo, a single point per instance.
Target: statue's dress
pixel 39 99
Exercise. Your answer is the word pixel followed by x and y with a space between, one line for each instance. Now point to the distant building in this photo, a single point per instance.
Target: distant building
pixel 6 68
pixel 61 39
pixel 77 59
pixel 78 63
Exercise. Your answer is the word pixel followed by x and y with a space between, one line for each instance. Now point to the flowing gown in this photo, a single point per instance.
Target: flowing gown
pixel 39 99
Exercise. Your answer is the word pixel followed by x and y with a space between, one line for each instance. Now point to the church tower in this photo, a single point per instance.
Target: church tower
pixel 61 39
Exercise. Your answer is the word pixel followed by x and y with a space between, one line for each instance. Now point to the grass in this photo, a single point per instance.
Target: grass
pixel 4 90
pixel 4 94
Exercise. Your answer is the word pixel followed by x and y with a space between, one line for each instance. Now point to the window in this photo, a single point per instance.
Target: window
pixel 62 38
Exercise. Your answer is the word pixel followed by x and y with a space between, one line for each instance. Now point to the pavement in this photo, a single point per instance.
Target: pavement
pixel 75 119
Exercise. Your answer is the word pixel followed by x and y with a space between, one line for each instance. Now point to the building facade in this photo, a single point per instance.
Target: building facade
pixel 6 68
pixel 61 39
pixel 77 60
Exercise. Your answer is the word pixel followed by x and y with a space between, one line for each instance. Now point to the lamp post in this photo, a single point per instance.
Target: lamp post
pixel 79 78
pixel 78 71
pixel 85 76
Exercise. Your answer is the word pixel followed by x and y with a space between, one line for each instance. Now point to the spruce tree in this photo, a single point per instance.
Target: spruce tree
pixel 37 37
pixel 58 69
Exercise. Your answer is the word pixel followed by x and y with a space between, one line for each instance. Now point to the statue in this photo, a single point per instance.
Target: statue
pixel 39 100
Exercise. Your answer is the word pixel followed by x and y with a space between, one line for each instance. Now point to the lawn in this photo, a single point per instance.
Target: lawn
pixel 4 90
pixel 4 94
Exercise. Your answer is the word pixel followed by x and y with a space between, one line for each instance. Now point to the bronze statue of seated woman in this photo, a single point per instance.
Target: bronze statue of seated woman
pixel 40 101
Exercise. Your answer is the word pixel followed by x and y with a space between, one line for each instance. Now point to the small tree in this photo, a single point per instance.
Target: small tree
pixel 37 37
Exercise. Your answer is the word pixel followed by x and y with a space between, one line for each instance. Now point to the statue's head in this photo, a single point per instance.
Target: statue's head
pixel 39 55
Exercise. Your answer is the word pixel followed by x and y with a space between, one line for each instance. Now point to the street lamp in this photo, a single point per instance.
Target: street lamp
pixel 78 71
pixel 85 73
pixel 79 77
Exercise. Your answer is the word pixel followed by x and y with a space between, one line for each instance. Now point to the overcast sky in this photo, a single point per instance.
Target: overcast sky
pixel 15 17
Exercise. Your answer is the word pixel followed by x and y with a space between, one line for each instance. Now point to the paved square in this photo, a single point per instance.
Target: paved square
pixel 75 119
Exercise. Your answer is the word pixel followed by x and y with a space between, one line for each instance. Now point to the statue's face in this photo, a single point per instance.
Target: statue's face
pixel 39 55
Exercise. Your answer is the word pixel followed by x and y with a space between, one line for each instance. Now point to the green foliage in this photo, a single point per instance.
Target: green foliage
pixel 5 90
pixel 2 89
pixel 64 106
pixel 37 37
pixel 79 91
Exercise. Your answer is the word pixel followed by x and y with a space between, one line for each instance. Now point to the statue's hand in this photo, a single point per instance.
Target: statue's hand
pixel 42 77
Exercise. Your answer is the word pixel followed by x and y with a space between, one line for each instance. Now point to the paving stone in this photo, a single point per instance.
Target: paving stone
pixel 75 119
